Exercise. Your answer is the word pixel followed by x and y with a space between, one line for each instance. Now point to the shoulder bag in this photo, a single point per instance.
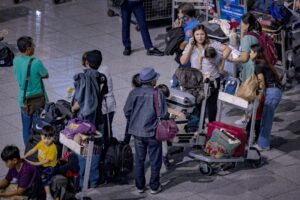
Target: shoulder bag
pixel 248 89
pixel 34 102
pixel 165 129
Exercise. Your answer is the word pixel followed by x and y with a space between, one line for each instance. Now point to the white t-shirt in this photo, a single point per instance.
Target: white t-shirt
pixel 196 52
pixel 109 103
pixel 206 66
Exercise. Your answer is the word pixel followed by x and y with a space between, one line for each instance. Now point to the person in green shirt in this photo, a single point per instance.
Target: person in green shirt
pixel 248 24
pixel 37 73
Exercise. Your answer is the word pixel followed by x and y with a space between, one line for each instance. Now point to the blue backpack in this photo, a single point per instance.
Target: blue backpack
pixel 231 86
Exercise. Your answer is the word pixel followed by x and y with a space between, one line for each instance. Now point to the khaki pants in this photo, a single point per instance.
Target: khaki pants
pixel 12 187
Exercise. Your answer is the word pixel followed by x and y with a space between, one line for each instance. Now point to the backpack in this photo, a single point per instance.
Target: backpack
pixel 231 86
pixel 191 81
pixel 267 43
pixel 173 39
pixel 118 160
pixel 6 56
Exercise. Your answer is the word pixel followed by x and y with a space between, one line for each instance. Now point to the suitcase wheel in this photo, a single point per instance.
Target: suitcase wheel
pixel 205 169
pixel 111 13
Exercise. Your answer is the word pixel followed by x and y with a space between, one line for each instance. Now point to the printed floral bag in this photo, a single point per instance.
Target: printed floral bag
pixel 221 144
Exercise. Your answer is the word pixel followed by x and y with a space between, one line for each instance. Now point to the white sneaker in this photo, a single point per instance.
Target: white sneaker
pixel 159 189
pixel 241 122
pixel 141 190
pixel 261 149
pixel 3 33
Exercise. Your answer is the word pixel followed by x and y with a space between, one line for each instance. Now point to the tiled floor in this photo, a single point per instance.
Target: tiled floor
pixel 63 32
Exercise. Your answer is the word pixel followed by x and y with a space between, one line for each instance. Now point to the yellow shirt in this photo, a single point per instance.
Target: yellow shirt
pixel 47 152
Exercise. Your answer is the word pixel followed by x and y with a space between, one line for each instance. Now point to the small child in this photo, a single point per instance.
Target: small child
pixel 166 92
pixel 22 180
pixel 47 157
pixel 210 64
pixel 212 67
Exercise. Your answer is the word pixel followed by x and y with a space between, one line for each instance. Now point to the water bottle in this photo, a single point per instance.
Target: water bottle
pixel 69 92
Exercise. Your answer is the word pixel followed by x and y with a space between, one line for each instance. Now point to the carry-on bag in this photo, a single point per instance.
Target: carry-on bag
pixel 237 132
pixel 181 101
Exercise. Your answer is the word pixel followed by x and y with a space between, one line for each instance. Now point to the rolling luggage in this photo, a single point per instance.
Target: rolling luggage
pixel 181 101
pixel 237 132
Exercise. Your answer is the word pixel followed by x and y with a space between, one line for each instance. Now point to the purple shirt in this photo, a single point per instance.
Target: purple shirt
pixel 26 178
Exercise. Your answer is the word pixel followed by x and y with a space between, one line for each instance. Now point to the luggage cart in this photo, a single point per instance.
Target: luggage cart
pixel 209 164
pixel 185 103
pixel 78 149
pixel 154 10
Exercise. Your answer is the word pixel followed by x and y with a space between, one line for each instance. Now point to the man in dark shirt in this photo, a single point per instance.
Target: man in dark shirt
pixel 22 179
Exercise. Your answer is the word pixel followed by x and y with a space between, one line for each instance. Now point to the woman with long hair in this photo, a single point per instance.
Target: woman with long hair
pixel 248 24
pixel 270 84
pixel 194 52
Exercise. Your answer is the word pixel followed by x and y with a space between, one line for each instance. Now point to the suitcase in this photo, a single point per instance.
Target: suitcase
pixel 215 32
pixel 181 101
pixel 237 132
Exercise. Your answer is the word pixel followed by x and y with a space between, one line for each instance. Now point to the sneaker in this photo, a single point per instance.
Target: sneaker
pixel 241 122
pixel 154 52
pixel 3 33
pixel 141 190
pixel 166 161
pixel 158 190
pixel 261 149
pixel 127 51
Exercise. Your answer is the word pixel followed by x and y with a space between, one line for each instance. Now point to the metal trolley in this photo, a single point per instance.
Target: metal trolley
pixel 154 9
pixel 209 164
pixel 86 152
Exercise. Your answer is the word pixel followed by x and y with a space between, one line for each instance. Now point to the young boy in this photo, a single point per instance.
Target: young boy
pixel 90 89
pixel 47 157
pixel 22 180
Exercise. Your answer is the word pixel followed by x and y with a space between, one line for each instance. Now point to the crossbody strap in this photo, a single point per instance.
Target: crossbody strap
pixel 156 105
pixel 27 78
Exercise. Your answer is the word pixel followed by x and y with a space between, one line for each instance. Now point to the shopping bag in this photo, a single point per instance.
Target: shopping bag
pixel 222 144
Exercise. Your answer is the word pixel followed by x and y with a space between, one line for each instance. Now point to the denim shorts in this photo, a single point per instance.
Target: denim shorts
pixel 47 174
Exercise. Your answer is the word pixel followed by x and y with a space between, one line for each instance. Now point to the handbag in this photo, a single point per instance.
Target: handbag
pixel 165 129
pixel 221 144
pixel 248 89
pixel 34 102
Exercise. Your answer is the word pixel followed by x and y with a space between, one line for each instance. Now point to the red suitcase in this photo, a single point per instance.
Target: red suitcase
pixel 235 131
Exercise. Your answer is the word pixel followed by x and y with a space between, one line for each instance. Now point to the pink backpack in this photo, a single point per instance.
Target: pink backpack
pixel 267 43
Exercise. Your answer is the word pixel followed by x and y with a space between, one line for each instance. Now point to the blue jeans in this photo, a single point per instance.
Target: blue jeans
pixel 142 145
pixel 273 97
pixel 94 172
pixel 26 125
pixel 138 10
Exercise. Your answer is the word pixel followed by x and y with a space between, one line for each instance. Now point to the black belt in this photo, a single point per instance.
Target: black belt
pixel 274 85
